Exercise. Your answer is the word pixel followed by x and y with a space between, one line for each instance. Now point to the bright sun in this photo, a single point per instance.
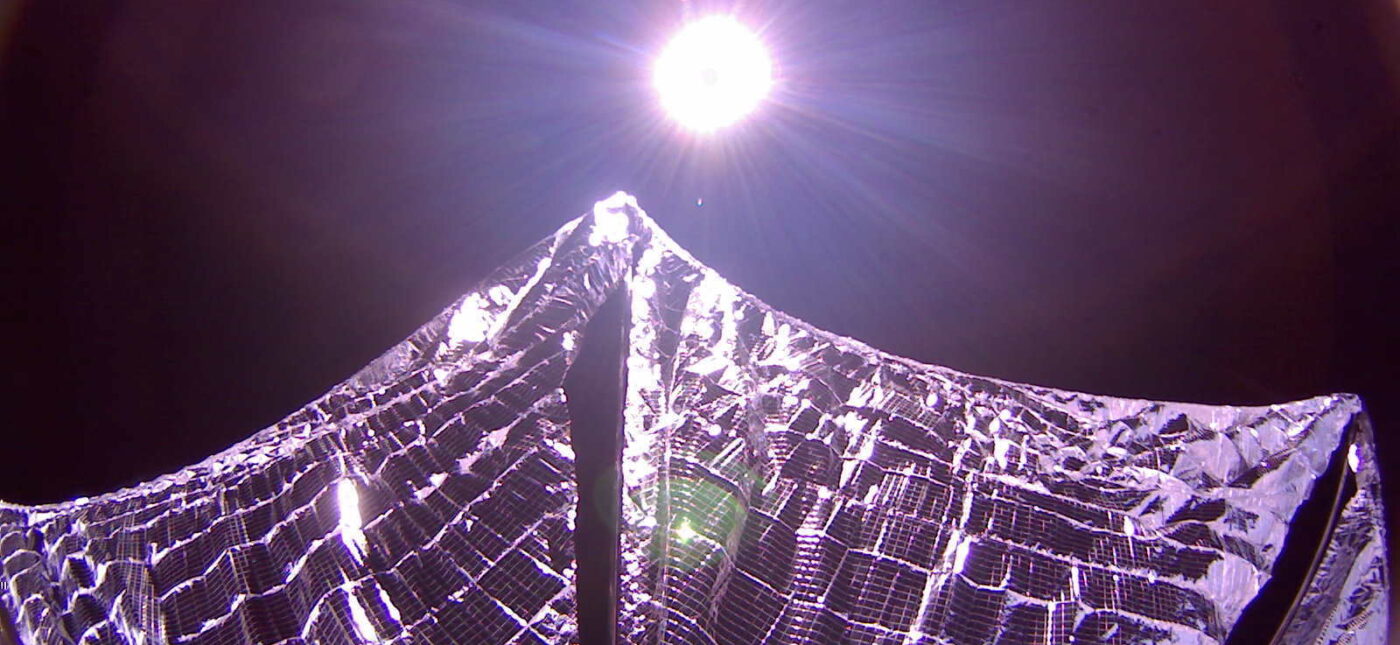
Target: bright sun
pixel 712 73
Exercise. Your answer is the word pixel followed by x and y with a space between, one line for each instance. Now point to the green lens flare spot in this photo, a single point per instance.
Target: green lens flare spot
pixel 703 517
pixel 684 532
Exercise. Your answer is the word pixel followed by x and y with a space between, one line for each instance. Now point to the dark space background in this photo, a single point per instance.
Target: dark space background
pixel 214 210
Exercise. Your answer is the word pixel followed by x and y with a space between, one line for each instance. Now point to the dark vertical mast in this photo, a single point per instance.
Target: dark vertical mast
pixel 595 388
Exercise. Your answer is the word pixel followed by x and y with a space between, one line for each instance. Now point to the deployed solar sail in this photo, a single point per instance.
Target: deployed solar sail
pixel 780 485
pixel 428 499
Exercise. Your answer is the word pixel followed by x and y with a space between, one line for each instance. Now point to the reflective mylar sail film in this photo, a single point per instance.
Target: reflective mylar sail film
pixel 788 485
pixel 428 499
pixel 780 485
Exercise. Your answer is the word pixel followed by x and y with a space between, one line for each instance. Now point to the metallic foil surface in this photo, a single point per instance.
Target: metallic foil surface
pixel 787 485
pixel 428 499
pixel 781 484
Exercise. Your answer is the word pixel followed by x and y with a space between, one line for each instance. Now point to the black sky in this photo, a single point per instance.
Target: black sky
pixel 217 209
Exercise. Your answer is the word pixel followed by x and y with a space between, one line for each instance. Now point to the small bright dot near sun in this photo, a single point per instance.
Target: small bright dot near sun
pixel 712 73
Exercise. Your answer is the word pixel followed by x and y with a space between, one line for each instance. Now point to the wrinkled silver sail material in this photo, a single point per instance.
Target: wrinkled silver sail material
pixel 428 499
pixel 787 485
pixel 780 485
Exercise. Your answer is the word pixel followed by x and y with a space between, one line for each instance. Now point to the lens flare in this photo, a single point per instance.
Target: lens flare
pixel 713 73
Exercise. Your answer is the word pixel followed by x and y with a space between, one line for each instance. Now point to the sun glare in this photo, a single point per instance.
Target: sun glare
pixel 712 73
